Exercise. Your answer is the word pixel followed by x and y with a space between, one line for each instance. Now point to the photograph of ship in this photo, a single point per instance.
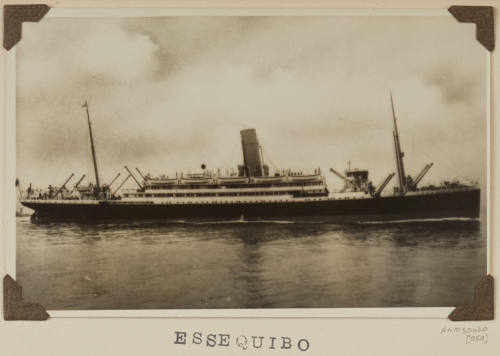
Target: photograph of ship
pixel 250 162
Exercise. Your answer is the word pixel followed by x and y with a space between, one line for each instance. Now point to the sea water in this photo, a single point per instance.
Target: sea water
pixel 250 264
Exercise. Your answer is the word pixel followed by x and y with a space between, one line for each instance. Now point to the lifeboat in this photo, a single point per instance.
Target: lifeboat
pixel 233 179
pixel 164 181
pixel 196 180
pixel 305 178
pixel 270 179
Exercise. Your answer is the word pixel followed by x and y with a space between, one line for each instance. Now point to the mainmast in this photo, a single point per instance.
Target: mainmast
pixel 399 154
pixel 86 106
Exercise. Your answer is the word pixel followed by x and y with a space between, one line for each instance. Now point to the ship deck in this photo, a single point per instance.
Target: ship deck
pixel 287 198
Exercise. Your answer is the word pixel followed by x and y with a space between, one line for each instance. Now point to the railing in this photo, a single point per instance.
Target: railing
pixel 60 201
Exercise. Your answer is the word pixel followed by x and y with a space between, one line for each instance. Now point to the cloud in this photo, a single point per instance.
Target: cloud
pixel 455 85
pixel 113 54
pixel 88 52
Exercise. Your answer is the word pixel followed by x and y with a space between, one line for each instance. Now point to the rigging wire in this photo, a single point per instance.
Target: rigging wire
pixel 438 147
pixel 419 150
pixel 269 158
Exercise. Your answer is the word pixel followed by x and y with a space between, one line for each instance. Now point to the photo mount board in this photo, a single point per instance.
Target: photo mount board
pixel 14 15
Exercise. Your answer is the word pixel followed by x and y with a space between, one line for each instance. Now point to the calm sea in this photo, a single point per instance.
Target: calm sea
pixel 245 264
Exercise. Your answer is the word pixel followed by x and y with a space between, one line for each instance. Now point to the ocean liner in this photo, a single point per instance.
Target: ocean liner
pixel 252 192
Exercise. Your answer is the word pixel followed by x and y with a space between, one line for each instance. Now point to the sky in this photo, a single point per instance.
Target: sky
pixel 167 94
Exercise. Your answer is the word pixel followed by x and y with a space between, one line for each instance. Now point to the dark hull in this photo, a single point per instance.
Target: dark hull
pixel 464 203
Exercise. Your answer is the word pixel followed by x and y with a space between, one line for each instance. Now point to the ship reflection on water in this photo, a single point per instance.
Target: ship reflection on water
pixel 244 264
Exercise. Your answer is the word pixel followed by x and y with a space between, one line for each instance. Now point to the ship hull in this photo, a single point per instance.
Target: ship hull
pixel 436 205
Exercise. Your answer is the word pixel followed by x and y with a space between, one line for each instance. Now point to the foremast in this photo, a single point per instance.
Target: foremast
pixel 399 154
pixel 94 159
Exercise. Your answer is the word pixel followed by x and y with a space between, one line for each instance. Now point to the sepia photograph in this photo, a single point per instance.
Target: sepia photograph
pixel 251 162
